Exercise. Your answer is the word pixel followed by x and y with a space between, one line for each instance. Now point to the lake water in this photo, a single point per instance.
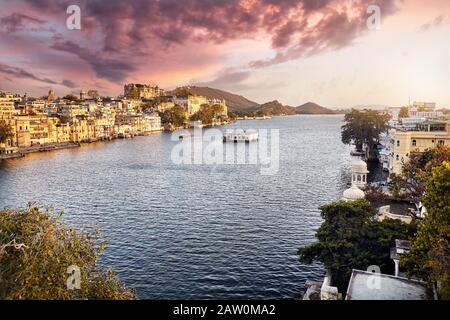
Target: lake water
pixel 194 231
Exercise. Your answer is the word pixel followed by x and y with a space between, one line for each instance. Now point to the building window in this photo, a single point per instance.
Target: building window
pixel 414 143
pixel 397 158
pixel 441 142
pixel 398 143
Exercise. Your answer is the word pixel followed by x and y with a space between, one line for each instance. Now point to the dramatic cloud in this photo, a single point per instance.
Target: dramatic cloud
pixel 111 69
pixel 18 21
pixel 146 27
pixel 227 79
pixel 69 84
pixel 21 73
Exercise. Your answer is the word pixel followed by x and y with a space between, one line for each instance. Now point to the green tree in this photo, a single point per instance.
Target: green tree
pixel 349 238
pixel 363 128
pixel 404 112
pixel 205 114
pixel 36 249
pixel 175 116
pixel 6 131
pixel 417 171
pixel 429 257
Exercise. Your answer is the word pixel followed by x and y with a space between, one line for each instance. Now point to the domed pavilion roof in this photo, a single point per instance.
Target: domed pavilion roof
pixel 353 193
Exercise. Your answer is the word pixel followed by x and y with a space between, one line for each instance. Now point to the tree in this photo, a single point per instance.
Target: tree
pixel 36 249
pixel 429 257
pixel 417 171
pixel 364 129
pixel 404 112
pixel 175 116
pixel 6 131
pixel 349 238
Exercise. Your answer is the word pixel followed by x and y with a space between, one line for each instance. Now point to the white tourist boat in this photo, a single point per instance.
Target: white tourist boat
pixel 240 135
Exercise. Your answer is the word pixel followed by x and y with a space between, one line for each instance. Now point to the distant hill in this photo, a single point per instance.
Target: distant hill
pixel 238 103
pixel 276 108
pixel 313 108
pixel 234 102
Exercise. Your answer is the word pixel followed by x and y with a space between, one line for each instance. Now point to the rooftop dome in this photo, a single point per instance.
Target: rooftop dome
pixel 359 166
pixel 353 193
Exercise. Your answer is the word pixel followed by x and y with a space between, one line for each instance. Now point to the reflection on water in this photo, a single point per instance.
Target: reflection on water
pixel 194 231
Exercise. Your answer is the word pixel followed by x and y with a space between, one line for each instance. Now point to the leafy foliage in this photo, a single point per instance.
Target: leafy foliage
pixel 208 113
pixel 175 116
pixel 36 249
pixel 6 131
pixel 417 171
pixel 429 257
pixel 363 128
pixel 349 238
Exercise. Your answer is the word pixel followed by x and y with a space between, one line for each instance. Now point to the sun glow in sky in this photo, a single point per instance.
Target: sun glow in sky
pixel 291 50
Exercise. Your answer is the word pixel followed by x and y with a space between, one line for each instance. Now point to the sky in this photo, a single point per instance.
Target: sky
pixel 326 51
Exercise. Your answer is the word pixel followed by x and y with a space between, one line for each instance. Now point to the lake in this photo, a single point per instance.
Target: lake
pixel 194 231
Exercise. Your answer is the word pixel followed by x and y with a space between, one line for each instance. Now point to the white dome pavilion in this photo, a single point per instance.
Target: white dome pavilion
pixel 359 173
pixel 353 193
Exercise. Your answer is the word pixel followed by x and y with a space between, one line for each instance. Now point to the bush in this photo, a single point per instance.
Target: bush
pixel 36 249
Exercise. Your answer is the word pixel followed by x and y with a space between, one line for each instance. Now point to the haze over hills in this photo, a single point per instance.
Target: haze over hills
pixel 238 103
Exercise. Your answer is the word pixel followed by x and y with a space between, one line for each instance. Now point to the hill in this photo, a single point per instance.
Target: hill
pixel 234 102
pixel 276 108
pixel 313 108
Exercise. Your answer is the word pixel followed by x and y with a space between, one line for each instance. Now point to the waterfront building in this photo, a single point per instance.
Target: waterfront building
pixel 42 129
pixel 142 91
pixel 423 136
pixel 63 131
pixel 152 123
pixel 165 105
pixel 22 128
pixel 191 103
pixel 7 113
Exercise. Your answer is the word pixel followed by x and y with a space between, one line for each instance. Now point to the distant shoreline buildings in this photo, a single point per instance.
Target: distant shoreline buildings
pixel 38 123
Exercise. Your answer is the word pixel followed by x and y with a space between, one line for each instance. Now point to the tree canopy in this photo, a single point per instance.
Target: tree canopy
pixel 363 128
pixel 208 113
pixel 175 116
pixel 6 131
pixel 349 238
pixel 417 171
pixel 429 257
pixel 36 249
